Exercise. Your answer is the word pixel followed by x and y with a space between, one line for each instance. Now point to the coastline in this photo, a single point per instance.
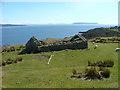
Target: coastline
pixel 58 31
pixel 6 25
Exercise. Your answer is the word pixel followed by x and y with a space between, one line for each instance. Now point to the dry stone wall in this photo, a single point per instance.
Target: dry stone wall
pixel 70 45
pixel 35 46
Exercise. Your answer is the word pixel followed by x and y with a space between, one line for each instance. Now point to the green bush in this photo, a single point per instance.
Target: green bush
pixel 74 72
pixel 18 49
pixel 15 61
pixel 106 63
pixel 105 72
pixel 91 73
pixel 5 49
pixel 109 63
pixel 12 48
pixel 100 64
pixel 3 63
pixel 9 61
pixel 21 46
pixel 91 63
pixel 18 58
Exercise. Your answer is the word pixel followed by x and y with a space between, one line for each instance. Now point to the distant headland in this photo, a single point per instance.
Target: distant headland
pixel 85 23
pixel 12 25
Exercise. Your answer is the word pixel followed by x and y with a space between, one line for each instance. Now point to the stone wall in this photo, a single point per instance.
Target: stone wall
pixel 70 45
pixel 36 46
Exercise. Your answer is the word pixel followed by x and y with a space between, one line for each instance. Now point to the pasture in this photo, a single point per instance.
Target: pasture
pixel 34 72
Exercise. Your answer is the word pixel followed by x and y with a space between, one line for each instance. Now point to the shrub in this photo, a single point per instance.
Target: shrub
pixel 5 49
pixel 18 49
pixel 91 73
pixel 3 63
pixel 97 38
pixel 74 72
pixel 105 72
pixel 9 61
pixel 18 58
pixel 15 61
pixel 12 48
pixel 107 63
pixel 100 64
pixel 91 63
pixel 21 46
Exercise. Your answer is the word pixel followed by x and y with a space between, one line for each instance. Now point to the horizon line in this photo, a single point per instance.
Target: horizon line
pixel 62 23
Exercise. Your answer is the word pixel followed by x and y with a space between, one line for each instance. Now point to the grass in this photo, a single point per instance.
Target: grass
pixel 36 73
pixel 53 40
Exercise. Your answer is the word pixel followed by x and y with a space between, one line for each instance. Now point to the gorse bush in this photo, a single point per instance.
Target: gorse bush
pixel 104 72
pixel 21 46
pixel 3 63
pixel 9 61
pixel 12 48
pixel 74 72
pixel 107 63
pixel 106 40
pixel 8 49
pixel 18 58
pixel 15 61
pixel 91 63
pixel 91 73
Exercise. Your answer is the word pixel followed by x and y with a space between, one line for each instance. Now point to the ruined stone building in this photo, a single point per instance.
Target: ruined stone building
pixel 37 46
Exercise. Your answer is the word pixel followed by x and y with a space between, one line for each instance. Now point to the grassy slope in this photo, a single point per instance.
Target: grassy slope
pixel 53 40
pixel 36 73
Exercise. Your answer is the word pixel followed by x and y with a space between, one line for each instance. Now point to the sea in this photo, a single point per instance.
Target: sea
pixel 21 34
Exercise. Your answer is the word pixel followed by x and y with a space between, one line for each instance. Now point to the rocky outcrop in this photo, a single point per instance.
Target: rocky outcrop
pixel 100 32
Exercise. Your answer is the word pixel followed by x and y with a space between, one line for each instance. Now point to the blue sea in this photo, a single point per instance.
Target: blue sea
pixel 21 34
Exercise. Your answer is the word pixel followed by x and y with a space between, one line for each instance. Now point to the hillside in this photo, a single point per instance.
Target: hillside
pixel 34 72
pixel 101 32
pixel 85 23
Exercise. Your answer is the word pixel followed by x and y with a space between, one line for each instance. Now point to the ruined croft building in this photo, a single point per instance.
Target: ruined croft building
pixel 37 46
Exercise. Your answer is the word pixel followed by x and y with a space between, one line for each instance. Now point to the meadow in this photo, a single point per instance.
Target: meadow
pixel 36 73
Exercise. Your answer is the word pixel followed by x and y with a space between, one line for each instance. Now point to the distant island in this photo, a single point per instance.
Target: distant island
pixel 84 23
pixel 12 25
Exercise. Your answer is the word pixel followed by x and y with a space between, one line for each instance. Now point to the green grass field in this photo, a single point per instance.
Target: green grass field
pixel 36 73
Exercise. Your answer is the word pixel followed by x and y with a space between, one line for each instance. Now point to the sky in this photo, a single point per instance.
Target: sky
pixel 59 12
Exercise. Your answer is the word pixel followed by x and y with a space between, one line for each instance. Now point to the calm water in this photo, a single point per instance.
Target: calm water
pixel 21 34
